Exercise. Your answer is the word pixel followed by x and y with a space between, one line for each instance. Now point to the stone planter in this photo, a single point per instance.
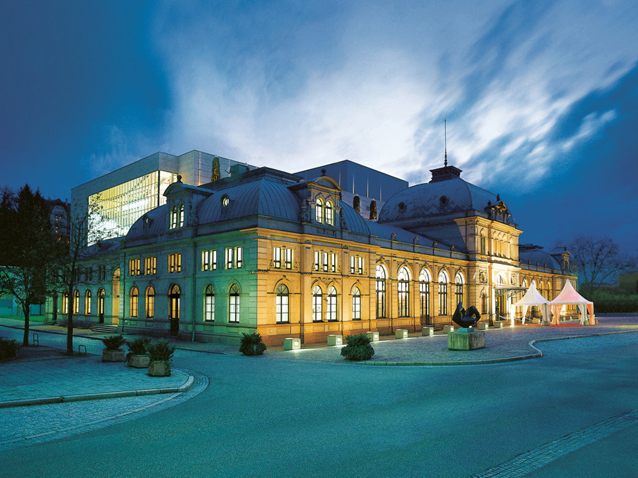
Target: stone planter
pixel 139 361
pixel 466 339
pixel 159 368
pixel 113 355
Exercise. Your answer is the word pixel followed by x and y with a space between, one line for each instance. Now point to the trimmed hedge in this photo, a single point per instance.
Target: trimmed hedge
pixel 612 303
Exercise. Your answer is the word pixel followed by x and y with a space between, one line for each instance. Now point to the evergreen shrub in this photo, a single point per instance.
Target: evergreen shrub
pixel 161 351
pixel 8 349
pixel 139 346
pixel 113 342
pixel 251 344
pixel 358 348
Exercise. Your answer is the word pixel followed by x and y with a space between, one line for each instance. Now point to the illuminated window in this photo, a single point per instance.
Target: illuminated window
pixel 329 214
pixel 317 313
pixel 181 215
pixel 150 265
pixel 331 313
pixel 356 304
pixel 150 302
pixel 380 289
pixel 173 224
pixel 288 258
pixel 209 304
pixel 134 267
pixel 87 302
pixel 319 211
pixel 209 260
pixel 76 302
pixel 225 201
pixel 174 263
pixel 352 264
pixel 65 302
pixel 359 265
pixel 333 262
pixel 101 298
pixel 233 304
pixel 424 293
pixel 174 300
pixel 281 305
pixel 276 258
pixel 234 257
pixel 443 280
pixel 324 260
pixel 317 262
pixel 134 302
pixel 458 288
pixel 403 287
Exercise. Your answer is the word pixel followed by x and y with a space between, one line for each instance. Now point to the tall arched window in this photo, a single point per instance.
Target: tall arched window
pixel 76 301
pixel 209 304
pixel 319 210
pixel 380 288
pixel 458 288
pixel 443 281
pixel 356 303
pixel 233 304
pixel 281 305
pixel 173 222
pixel 317 313
pixel 150 302
pixel 403 287
pixel 424 293
pixel 331 313
pixel 101 299
pixel 483 249
pixel 329 213
pixel 65 302
pixel 181 215
pixel 87 302
pixel 133 305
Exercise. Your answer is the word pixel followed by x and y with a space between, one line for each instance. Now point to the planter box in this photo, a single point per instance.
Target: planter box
pixel 498 324
pixel 292 343
pixel 159 369
pixel 448 328
pixel 428 331
pixel 483 325
pixel 113 355
pixel 335 340
pixel 139 361
pixel 401 333
pixel 466 339
pixel 373 336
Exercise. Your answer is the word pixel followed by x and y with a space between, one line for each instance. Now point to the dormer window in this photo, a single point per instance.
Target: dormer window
pixel 173 222
pixel 319 211
pixel 328 214
pixel 225 201
pixel 177 217
pixel 181 215
pixel 324 212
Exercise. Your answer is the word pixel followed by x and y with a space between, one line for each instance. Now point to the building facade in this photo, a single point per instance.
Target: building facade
pixel 285 255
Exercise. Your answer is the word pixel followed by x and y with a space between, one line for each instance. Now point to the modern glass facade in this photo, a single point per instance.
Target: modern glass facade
pixel 117 208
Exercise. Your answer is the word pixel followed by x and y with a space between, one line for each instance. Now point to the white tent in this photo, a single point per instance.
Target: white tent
pixel 532 297
pixel 569 296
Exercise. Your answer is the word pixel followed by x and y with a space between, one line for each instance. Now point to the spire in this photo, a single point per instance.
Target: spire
pixel 445 126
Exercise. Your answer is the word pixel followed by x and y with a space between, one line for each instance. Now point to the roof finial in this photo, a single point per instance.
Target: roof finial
pixel 445 126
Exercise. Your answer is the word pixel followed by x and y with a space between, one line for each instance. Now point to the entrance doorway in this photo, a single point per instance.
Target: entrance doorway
pixel 115 311
pixel 173 308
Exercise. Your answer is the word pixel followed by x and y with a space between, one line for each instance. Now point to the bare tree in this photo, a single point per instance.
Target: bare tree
pixel 599 261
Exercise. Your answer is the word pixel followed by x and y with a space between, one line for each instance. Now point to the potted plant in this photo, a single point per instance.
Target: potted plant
pixel 160 354
pixel 251 344
pixel 112 352
pixel 358 348
pixel 138 352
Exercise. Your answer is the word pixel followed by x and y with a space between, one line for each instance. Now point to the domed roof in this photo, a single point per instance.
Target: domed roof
pixel 153 222
pixel 538 257
pixel 262 197
pixel 354 222
pixel 436 198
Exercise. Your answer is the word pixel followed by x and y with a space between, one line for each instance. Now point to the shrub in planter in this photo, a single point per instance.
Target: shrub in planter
pixel 358 348
pixel 138 352
pixel 251 344
pixel 160 354
pixel 112 352
pixel 8 349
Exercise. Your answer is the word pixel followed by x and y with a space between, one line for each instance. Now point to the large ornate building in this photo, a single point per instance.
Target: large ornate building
pixel 291 255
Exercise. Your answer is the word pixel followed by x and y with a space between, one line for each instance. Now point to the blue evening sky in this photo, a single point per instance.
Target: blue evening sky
pixel 541 97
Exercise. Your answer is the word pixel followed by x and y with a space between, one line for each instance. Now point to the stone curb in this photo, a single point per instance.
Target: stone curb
pixel 98 396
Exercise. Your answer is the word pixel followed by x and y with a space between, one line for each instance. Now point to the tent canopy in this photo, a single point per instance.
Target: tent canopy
pixel 532 297
pixel 569 296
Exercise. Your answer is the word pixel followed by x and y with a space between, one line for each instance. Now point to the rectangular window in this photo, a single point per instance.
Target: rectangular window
pixel 150 265
pixel 229 257
pixel 134 267
pixel 352 264
pixel 233 303
pixel 359 265
pixel 316 266
pixel 234 257
pixel 276 258
pixel 324 261
pixel 209 308
pixel 209 260
pixel 174 263
pixel 288 258
pixel 356 307
pixel 239 257
pixel 333 262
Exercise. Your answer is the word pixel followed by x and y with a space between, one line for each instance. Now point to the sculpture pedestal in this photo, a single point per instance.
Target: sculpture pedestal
pixel 466 339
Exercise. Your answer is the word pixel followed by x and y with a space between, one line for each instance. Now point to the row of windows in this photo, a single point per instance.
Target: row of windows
pixel 87 302
pixel 325 261
pixel 234 258
pixel 277 255
pixel 150 266
pixel 356 265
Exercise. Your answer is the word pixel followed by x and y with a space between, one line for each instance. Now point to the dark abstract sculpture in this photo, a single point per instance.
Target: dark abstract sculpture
pixel 466 318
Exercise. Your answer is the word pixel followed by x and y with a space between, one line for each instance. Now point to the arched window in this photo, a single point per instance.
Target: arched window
pixel 181 215
pixel 150 302
pixel 76 301
pixel 331 313
pixel 356 204
pixel 65 302
pixel 356 303
pixel 281 305
pixel 443 280
pixel 173 222
pixel 101 299
pixel 209 304
pixel 133 305
pixel 404 291
pixel 329 214
pixel 373 210
pixel 458 288
pixel 174 297
pixel 87 302
pixel 233 304
pixel 424 293
pixel 319 211
pixel 483 249
pixel 317 313
pixel 380 288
